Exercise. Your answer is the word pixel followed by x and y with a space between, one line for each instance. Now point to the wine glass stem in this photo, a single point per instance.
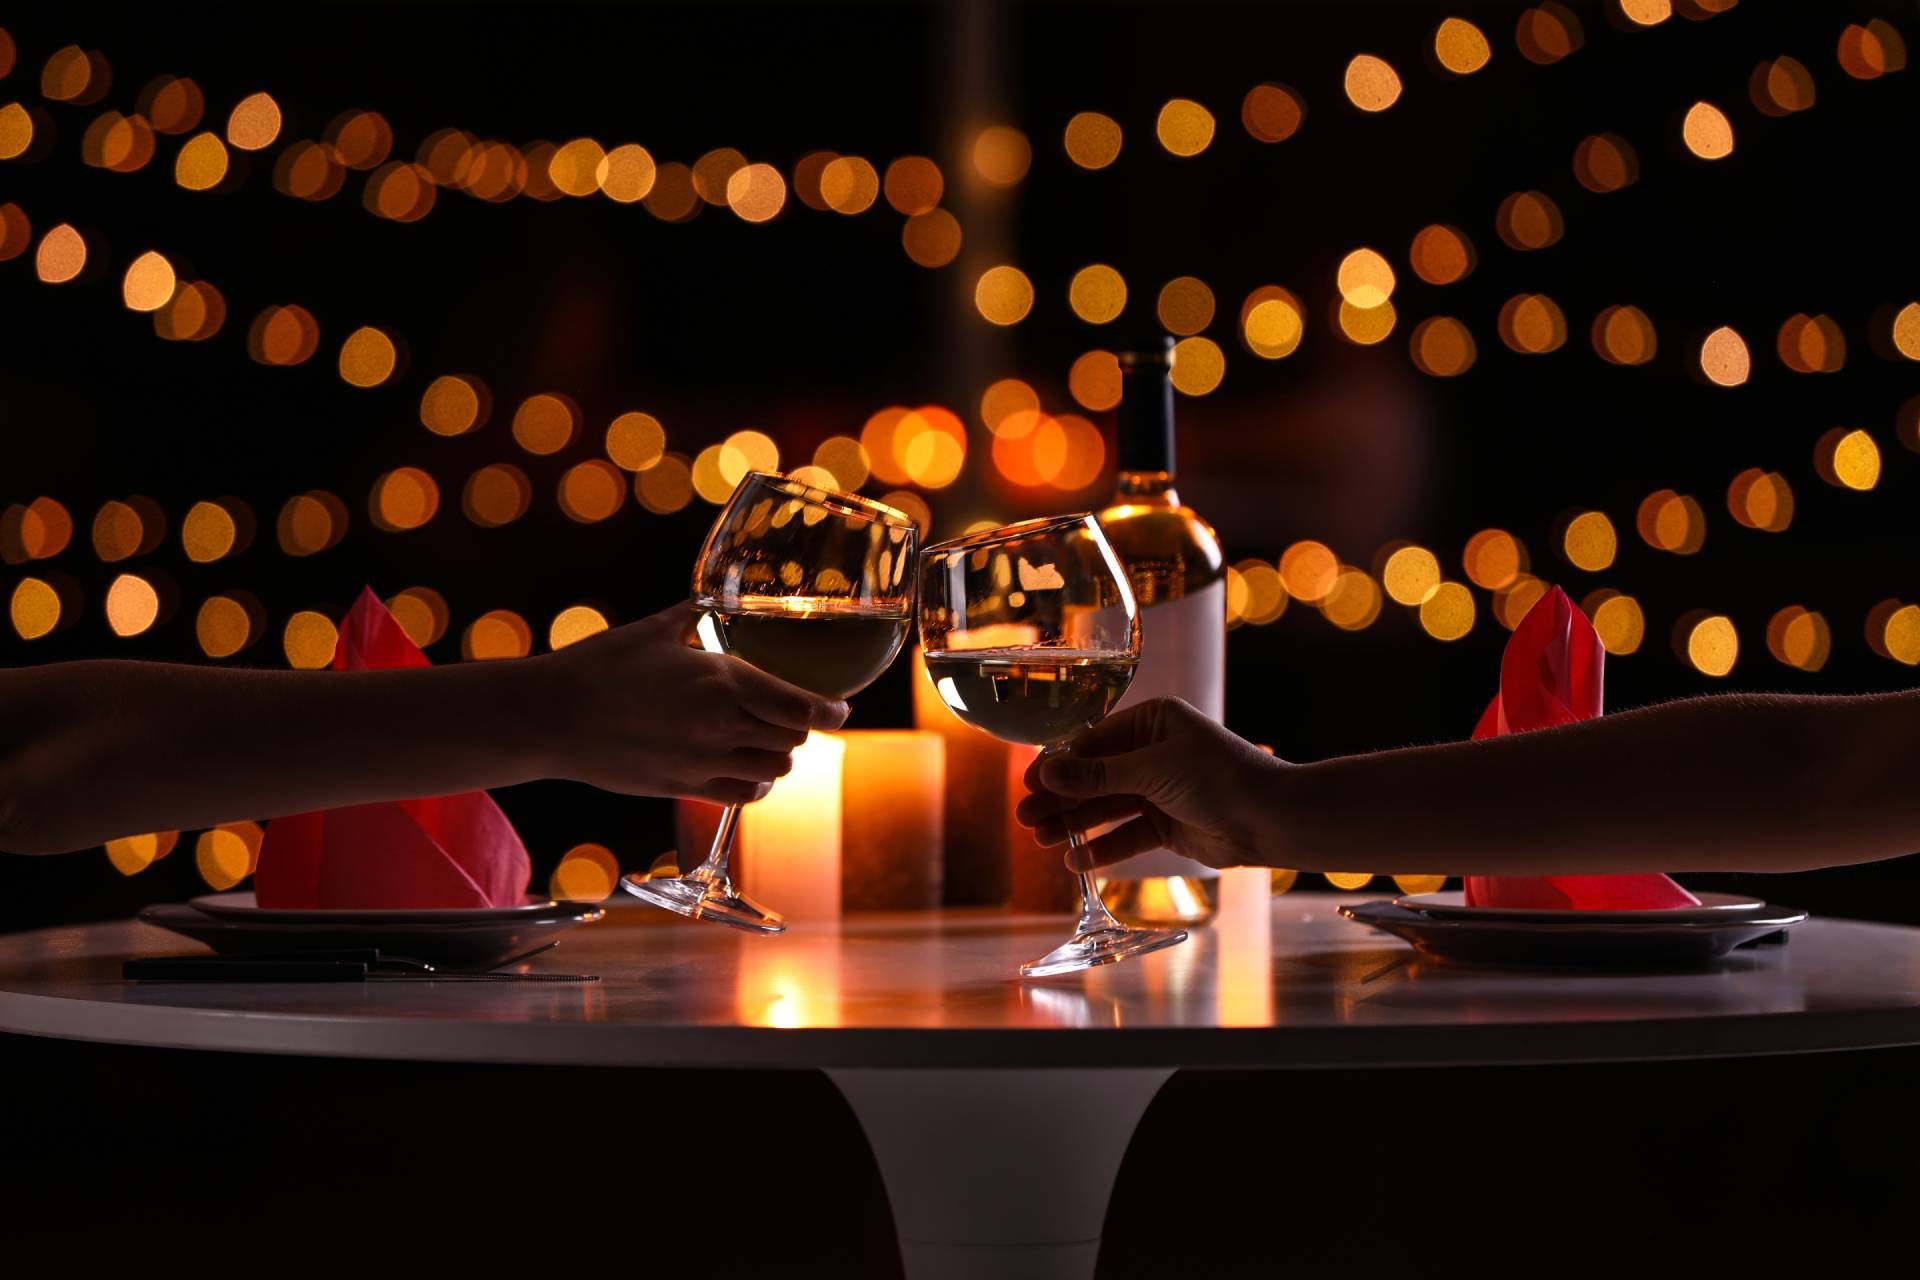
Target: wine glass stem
pixel 1094 915
pixel 714 869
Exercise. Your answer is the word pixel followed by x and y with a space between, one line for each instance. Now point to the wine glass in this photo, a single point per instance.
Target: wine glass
pixel 1030 633
pixel 808 585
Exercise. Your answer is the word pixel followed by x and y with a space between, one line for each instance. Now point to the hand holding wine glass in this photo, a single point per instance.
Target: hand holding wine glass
pixel 808 585
pixel 1031 634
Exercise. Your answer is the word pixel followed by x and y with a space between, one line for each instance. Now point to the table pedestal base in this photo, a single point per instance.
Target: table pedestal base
pixel 999 1174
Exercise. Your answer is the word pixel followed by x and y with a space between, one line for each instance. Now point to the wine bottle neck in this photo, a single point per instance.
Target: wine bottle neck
pixel 1154 488
pixel 1144 430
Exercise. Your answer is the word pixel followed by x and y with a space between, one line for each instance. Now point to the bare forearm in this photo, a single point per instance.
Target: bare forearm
pixel 1749 783
pixel 93 750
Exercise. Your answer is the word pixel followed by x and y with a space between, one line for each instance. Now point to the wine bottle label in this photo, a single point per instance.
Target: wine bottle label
pixel 1183 654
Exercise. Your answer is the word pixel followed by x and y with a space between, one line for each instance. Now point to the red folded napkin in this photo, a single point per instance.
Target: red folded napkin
pixel 1551 675
pixel 442 851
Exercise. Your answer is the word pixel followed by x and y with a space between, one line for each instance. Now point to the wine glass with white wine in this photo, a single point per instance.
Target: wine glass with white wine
pixel 812 586
pixel 1030 633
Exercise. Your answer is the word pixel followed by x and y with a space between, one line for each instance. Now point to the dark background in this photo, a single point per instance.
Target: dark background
pixel 805 326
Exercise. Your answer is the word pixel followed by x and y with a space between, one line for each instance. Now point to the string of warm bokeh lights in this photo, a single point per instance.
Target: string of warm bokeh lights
pixel 925 447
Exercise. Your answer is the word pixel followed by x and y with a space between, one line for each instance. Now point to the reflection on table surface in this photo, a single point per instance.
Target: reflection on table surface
pixel 955 970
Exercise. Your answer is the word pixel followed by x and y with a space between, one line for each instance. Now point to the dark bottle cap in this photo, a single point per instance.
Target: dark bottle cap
pixel 1144 429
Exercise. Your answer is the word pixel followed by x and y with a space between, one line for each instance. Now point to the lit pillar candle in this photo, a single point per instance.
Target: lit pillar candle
pixel 892 807
pixel 791 838
pixel 975 869
pixel 1243 936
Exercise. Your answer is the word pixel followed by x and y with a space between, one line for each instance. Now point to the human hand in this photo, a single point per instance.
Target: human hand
pixel 1182 779
pixel 643 712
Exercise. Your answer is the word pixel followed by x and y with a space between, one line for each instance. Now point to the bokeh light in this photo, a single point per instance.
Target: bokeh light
pixel 1869 52
pixel 208 532
pixel 845 460
pixel 402 499
pixel 756 192
pixel 311 522
pixel 1848 459
pixel 149 282
pixel 1442 347
pixel 591 491
pixel 254 122
pixel 1272 112
pixel 1589 541
pixel 224 626
pixel 625 174
pixel 1781 86
pixel 913 184
pixel 500 633
pixel 714 170
pixel 1493 558
pixel 1645 13
pixel 1547 33
pixel 1448 613
pixel 360 139
pixel 1371 83
pixel 454 404
pixel 673 198
pixel 16 231
pixel 1184 127
pixel 1724 358
pixel 34 608
pixel 1605 162
pixel 1761 500
pixel 1529 220
pixel 1308 570
pixel 665 487
pixel 223 858
pixel 1713 645
pixel 931 239
pixel 130 855
pixel 367 357
pixel 1365 279
pixel 496 495
pixel 1094 381
pixel 132 605
pixel 201 164
pixel 62 255
pixel 1272 322
pixel 636 441
pixel 1532 324
pixel 1001 155
pixel 1352 603
pixel 1812 344
pixel 1366 325
pixel 849 185
pixel 586 873
pixel 16 131
pixel 1198 366
pixel 1620 624
pixel 574 624
pixel 1707 131
pixel 1670 521
pixel 172 104
pixel 1410 574
pixel 1624 335
pixel 1513 602
pixel 1905 331
pixel 1441 254
pixel 1003 295
pixel 545 423
pixel 422 614
pixel 1093 140
pixel 1097 293
pixel 1798 637
pixel 1255 593
pixel 283 336
pixel 1461 47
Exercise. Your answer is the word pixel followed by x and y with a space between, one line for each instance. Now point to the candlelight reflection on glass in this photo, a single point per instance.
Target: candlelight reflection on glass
pixel 811 586
pixel 1030 633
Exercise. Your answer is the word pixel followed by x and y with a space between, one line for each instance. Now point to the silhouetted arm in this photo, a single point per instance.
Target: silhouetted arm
pixel 93 750
pixel 1732 783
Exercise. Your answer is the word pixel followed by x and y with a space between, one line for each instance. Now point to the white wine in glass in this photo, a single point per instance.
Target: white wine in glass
pixel 1030 633
pixel 809 585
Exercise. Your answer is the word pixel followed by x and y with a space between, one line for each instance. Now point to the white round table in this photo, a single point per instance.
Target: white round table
pixel 998 1110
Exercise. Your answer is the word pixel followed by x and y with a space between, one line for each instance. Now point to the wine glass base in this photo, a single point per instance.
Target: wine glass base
pixel 706 900
pixel 1101 946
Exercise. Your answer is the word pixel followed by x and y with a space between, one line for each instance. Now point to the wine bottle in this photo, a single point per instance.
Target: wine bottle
pixel 1179 580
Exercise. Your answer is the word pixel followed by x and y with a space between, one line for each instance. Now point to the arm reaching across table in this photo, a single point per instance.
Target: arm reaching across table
pixel 1739 782
pixel 93 750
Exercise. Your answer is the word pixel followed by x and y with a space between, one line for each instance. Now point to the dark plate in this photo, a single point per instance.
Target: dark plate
pixel 1589 944
pixel 242 905
pixel 446 942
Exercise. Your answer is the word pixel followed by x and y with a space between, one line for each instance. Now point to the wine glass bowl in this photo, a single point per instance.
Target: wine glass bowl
pixel 1030 633
pixel 809 585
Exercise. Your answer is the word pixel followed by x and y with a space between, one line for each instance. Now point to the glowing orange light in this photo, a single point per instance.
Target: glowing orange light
pixel 1366 325
pixel 1707 131
pixel 1093 140
pixel 591 491
pixel 501 633
pixel 404 498
pixel 1712 645
pixel 133 606
pixel 1781 87
pixel 1761 500
pixel 1185 305
pixel 913 184
pixel 283 336
pixel 1605 162
pixel 1624 335
pixel 422 614
pixel 636 441
pixel 1272 112
pixel 1532 324
pixel 1448 613
pixel 1442 347
pixel 587 873
pixel 1547 33
pixel 1441 254
pixel 849 185
pixel 224 626
pixel 624 175
pixel 254 122
pixel 1461 47
pixel 1003 295
pixel 16 231
pixel 454 404
pixel 1529 220
pixel 1308 570
pixel 1184 127
pixel 367 357
pixel 1001 155
pixel 545 423
pixel 207 532
pixel 62 255
pixel 1272 322
pixel 1669 521
pixel 931 239
pixel 1371 83
pixel 1198 366
pixel 310 523
pixel 1589 541
pixel 1365 279
pixel 34 608
pixel 149 283
pixel 496 495
pixel 845 460
pixel 1723 357
pixel 1618 621
pixel 1493 559
pixel 1097 294
pixel 756 192
pixel 1094 381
